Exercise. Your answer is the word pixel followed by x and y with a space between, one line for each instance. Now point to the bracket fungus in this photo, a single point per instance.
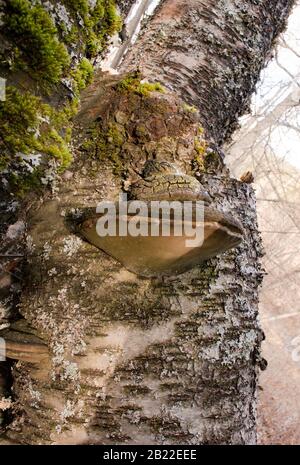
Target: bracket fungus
pixel 164 200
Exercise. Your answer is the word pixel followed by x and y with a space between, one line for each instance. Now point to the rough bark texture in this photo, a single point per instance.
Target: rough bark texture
pixel 217 64
pixel 140 361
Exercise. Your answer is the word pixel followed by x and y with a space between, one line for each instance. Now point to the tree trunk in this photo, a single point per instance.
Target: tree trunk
pixel 135 360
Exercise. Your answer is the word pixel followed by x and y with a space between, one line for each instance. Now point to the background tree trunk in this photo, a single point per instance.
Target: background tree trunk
pixel 165 360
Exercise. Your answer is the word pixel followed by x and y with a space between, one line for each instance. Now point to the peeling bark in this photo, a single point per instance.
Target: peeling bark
pixel 217 64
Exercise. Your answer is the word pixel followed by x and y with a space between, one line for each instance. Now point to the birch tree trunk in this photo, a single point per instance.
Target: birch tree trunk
pixel 124 359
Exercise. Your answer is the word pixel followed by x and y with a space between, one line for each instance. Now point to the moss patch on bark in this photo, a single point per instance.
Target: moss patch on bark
pixel 44 83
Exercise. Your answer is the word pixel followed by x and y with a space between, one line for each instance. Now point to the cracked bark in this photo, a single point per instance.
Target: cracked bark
pixel 150 361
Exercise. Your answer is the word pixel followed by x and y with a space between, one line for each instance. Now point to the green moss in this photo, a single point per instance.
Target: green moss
pixel 106 144
pixel 29 126
pixel 35 36
pixel 112 19
pixel 142 133
pixel 72 36
pixel 108 147
pixel 67 112
pixel 206 159
pixel 189 108
pixel 99 22
pixel 116 134
pixel 82 75
pixel 56 146
pixel 19 121
pixel 200 146
pixel 37 48
pixel 132 83
pixel 80 6
pixel 28 182
pixel 146 88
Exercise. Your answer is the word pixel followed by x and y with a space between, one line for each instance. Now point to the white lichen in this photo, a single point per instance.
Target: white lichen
pixel 58 429
pixel 52 272
pixel 46 251
pixel 29 244
pixel 14 231
pixel 5 403
pixel 32 160
pixel 62 294
pixel 35 396
pixel 68 411
pixel 50 176
pixel 71 245
pixel 70 372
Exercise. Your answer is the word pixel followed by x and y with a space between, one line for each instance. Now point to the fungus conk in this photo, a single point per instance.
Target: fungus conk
pixel 156 254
